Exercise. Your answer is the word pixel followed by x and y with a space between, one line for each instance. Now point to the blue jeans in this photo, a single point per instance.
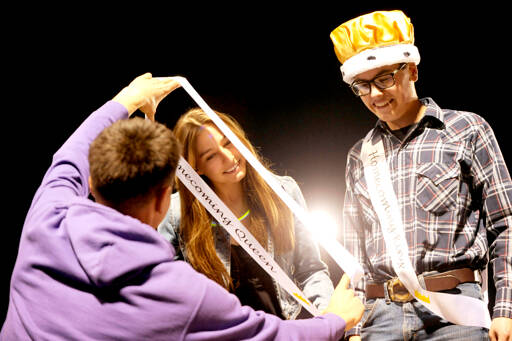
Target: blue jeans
pixel 385 320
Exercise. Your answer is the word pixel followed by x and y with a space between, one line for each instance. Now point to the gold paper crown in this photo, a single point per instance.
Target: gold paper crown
pixel 374 40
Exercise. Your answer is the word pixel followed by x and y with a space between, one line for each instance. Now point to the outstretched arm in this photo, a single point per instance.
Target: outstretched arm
pixel 68 174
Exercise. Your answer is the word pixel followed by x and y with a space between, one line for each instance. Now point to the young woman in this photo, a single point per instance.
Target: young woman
pixel 205 244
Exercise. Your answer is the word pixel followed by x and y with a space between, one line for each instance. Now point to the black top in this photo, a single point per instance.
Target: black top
pixel 402 133
pixel 253 286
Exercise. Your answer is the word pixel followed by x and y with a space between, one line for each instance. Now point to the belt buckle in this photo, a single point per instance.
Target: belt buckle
pixel 397 296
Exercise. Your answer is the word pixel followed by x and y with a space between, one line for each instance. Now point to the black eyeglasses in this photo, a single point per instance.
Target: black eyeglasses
pixel 363 88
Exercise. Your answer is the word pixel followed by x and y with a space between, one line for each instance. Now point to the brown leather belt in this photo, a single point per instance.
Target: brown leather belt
pixel 435 282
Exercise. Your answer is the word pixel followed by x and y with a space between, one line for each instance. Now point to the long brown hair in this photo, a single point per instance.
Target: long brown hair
pixel 268 212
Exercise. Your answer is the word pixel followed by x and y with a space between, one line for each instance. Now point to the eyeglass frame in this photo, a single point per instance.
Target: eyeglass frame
pixel 372 81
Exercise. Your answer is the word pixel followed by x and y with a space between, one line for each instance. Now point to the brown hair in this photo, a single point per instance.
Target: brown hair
pixel 268 212
pixel 133 158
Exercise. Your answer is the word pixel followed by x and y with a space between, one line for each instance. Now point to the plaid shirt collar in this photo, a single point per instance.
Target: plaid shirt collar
pixel 433 117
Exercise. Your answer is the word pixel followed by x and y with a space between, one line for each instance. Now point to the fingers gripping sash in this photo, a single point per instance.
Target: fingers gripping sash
pixel 457 309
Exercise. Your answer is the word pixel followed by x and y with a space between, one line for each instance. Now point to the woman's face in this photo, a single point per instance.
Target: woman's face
pixel 217 158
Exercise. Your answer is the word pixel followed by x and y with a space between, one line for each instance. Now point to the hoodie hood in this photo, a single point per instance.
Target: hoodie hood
pixel 112 247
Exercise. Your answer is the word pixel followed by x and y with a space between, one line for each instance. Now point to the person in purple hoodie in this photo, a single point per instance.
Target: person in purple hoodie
pixel 99 270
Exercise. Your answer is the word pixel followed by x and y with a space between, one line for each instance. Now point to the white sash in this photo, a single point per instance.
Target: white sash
pixel 343 258
pixel 238 231
pixel 457 309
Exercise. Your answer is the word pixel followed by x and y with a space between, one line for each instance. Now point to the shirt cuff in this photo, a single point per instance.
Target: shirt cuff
pixel 354 331
pixel 503 303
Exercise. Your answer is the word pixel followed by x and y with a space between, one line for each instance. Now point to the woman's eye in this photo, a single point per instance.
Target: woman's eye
pixel 209 157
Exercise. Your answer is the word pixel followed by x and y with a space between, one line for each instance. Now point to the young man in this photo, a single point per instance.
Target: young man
pixel 100 271
pixel 450 182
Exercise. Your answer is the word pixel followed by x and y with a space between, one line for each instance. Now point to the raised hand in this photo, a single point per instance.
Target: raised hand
pixel 145 93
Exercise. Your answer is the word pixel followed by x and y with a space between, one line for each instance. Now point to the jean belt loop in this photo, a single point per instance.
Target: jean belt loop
pixel 421 279
pixel 386 294
pixel 478 276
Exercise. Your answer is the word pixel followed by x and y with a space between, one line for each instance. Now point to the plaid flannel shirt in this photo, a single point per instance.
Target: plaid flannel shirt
pixel 455 195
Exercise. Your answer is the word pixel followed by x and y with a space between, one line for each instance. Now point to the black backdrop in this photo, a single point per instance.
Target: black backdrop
pixel 273 68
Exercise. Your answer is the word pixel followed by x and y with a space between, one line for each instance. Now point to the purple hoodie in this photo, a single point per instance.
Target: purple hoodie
pixel 87 272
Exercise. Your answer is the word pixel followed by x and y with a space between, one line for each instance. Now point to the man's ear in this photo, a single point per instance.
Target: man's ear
pixel 94 192
pixel 413 70
pixel 91 188
pixel 162 199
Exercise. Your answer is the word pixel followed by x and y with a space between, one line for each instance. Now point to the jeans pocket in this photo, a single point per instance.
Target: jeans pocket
pixel 469 289
pixel 369 308
pixel 437 187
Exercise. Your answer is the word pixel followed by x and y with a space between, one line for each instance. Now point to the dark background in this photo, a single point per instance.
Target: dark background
pixel 272 66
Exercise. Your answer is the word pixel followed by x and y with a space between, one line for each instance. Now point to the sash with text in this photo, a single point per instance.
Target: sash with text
pixel 458 309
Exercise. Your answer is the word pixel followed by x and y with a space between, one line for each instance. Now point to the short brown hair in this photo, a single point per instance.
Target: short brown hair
pixel 133 158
